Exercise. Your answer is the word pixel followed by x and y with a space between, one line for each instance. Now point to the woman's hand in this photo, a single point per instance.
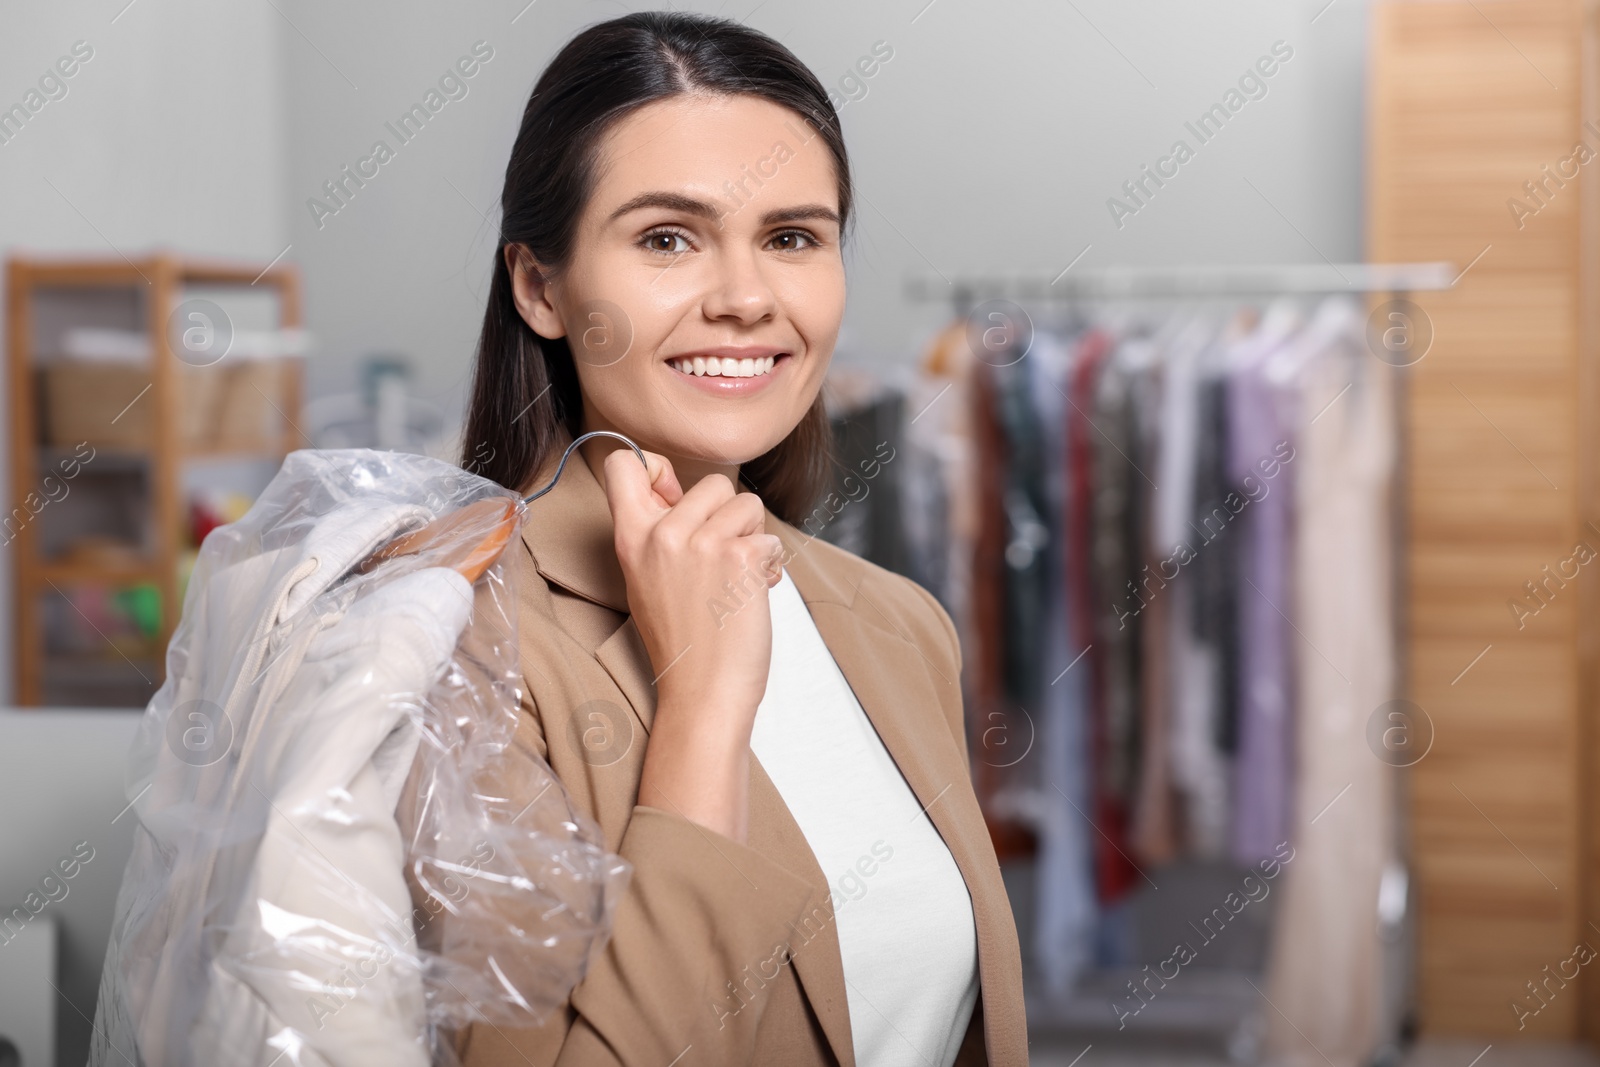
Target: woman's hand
pixel 698 566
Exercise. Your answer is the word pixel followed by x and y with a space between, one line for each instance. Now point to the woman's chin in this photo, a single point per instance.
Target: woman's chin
pixel 736 451
pixel 719 432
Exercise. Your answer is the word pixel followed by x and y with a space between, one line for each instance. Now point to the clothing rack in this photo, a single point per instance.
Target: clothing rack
pixel 1212 281
pixel 1220 282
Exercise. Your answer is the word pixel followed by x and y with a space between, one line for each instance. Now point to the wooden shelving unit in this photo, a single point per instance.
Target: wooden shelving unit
pixel 145 293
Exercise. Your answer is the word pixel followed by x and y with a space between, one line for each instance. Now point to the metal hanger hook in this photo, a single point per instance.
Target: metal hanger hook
pixel 580 439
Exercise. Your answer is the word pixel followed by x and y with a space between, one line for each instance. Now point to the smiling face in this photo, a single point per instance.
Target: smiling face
pixel 706 285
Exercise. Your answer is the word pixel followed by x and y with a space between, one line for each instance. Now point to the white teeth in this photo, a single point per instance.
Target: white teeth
pixel 725 367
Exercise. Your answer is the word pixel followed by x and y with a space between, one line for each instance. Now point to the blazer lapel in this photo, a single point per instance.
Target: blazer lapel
pixel 569 532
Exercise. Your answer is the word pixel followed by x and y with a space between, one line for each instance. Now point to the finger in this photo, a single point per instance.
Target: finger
pixel 741 516
pixel 631 489
pixel 700 502
pixel 772 561
pixel 763 555
pixel 663 479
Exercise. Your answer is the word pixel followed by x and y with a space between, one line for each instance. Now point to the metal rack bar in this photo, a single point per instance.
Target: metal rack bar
pixel 1134 283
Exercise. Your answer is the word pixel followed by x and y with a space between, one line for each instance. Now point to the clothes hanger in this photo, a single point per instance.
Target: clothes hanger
pixel 495 516
pixel 580 439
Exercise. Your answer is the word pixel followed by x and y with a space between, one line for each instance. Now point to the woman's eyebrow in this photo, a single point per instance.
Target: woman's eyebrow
pixel 670 201
pixel 796 214
pixel 705 209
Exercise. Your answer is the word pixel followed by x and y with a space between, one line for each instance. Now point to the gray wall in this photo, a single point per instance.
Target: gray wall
pixel 990 142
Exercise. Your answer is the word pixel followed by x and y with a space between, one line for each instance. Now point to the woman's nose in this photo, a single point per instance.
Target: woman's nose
pixel 739 290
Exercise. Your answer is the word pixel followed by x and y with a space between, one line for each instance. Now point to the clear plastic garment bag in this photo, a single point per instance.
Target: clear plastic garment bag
pixel 326 771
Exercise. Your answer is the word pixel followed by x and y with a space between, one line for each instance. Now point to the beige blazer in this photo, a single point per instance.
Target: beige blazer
pixel 726 953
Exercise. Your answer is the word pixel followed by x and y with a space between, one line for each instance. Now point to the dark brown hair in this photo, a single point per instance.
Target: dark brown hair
pixel 525 387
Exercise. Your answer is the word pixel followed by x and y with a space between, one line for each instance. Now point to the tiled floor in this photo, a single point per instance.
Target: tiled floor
pixel 1427 1054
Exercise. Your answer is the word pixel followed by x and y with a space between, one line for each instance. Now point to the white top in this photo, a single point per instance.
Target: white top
pixel 906 933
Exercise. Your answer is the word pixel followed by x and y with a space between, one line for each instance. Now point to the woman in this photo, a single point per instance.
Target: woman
pixel 769 729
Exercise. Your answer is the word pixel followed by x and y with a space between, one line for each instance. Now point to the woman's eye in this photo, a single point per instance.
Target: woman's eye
pixel 793 240
pixel 668 242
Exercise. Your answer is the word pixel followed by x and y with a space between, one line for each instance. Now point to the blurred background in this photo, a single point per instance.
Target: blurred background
pixel 1227 370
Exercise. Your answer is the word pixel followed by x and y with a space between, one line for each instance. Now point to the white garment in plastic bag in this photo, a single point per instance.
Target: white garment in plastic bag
pixel 313 783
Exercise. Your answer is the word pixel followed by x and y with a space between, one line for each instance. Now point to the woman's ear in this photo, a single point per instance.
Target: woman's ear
pixel 531 292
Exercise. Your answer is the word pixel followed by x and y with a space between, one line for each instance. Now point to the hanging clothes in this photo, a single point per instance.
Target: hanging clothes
pixel 995 710
pixel 1325 968
pixel 1214 573
pixel 863 513
pixel 1064 886
pixel 1117 559
pixel 925 493
pixel 1200 767
pixel 1029 530
pixel 1262 423
pixel 1155 821
pixel 1157 522
pixel 944 521
pixel 1115 874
